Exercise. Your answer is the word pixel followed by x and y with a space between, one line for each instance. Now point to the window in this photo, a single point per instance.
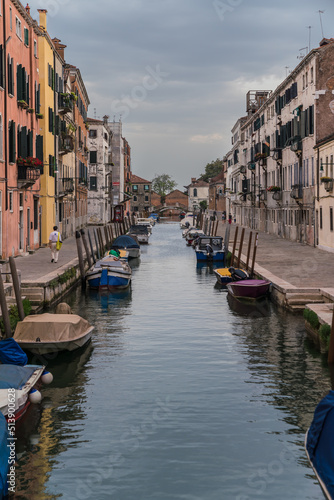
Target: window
pixel 135 198
pixel 26 36
pixel 35 213
pixel 18 28
pixel 320 221
pixel 92 134
pixel 10 63
pixel 311 81
pixel 146 198
pixel 331 218
pixel 93 184
pixel 10 18
pixel 11 201
pixel 12 142
pixel 35 48
pixel 135 209
pixel 146 187
pixel 195 192
pixel 135 188
pixel 51 116
pixel 93 157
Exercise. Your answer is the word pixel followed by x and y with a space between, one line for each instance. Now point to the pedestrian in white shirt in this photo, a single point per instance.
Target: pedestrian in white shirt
pixel 55 243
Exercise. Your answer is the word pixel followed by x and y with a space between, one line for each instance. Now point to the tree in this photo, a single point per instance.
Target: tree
pixel 163 184
pixel 212 169
pixel 203 205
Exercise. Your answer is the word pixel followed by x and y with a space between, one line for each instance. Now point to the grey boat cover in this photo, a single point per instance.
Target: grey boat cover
pixel 125 241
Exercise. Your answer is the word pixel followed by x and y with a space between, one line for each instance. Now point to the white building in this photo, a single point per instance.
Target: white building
pixel 99 171
pixel 274 177
pixel 198 191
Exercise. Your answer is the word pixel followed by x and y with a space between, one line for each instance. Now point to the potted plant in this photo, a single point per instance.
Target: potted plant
pixel 30 110
pixel 325 179
pixel 22 103
pixel 39 115
pixel 273 189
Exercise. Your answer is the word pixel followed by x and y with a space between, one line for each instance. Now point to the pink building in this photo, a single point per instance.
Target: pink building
pixel 20 143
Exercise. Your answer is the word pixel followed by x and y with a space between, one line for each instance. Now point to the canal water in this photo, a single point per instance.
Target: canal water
pixel 183 394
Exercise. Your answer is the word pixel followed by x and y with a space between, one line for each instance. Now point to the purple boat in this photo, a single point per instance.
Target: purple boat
pixel 248 289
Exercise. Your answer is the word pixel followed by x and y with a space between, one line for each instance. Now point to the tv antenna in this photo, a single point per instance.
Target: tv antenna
pixel 301 56
pixel 309 37
pixel 322 29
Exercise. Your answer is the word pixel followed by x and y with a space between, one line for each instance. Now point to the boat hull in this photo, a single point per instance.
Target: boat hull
pixel 104 278
pixel 248 289
pixel 55 346
pixel 206 256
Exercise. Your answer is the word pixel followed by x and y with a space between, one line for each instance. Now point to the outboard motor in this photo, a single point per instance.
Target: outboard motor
pixel 209 251
pixel 238 274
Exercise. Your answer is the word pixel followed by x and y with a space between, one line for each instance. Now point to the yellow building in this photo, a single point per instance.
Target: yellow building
pixel 324 200
pixel 51 85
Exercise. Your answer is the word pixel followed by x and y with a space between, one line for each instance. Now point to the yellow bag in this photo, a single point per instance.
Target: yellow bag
pixel 59 243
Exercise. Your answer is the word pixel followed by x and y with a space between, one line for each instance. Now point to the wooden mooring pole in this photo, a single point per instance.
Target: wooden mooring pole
pixel 249 249
pixel 83 237
pixel 80 256
pixel 91 246
pixel 240 246
pixel 4 309
pixel 254 253
pixel 234 245
pixel 97 244
pixel 17 288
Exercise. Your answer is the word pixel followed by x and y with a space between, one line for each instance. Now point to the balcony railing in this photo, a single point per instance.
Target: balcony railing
pixel 65 104
pixel 66 144
pixel 66 185
pixel 296 191
pixel 27 175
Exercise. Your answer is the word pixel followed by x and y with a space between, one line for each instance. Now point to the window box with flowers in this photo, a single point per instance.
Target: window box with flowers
pixel 326 179
pixel 22 104
pixel 275 191
pixel 30 110
pixel 39 115
pixel 260 156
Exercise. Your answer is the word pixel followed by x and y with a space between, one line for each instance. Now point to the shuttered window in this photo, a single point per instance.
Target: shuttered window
pixel 12 142
pixel 10 71
pixel 93 184
pixel 93 157
pixel 51 125
pixel 26 36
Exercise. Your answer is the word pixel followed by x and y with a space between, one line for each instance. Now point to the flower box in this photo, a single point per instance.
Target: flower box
pixel 39 115
pixel 22 104
pixel 326 179
pixel 273 189
pixel 30 110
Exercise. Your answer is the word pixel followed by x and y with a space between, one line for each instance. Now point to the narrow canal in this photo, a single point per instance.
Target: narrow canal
pixel 182 394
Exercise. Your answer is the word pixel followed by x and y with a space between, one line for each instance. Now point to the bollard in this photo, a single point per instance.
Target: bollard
pixel 83 237
pixel 80 257
pixel 17 288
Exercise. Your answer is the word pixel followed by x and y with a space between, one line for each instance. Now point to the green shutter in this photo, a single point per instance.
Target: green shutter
pixel 39 147
pixel 26 36
pixel 19 82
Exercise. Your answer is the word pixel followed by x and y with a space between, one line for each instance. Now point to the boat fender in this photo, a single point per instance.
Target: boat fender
pixel 35 396
pixel 46 377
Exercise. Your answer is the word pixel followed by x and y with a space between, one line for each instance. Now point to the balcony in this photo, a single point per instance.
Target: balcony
pixel 65 104
pixel 65 145
pixel 66 185
pixel 27 175
pixel 296 192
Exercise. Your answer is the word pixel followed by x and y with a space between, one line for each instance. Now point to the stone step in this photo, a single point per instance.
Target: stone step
pixel 304 300
pixel 32 289
pixel 311 295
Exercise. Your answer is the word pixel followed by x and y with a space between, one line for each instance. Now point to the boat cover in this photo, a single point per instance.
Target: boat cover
pixel 14 377
pixel 320 441
pixel 125 241
pixel 51 328
pixel 4 455
pixel 11 353
pixel 110 261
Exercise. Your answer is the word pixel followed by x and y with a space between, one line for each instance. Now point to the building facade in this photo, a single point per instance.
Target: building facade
pixel 141 195
pixel 274 165
pixel 198 191
pixel 99 171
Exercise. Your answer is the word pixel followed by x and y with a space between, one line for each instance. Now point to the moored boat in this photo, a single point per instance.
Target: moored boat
pixel 129 243
pixel 248 289
pixel 140 231
pixel 225 275
pixel 48 333
pixel 109 273
pixel 319 444
pixel 209 248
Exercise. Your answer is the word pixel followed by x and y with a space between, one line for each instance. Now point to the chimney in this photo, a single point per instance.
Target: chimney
pixel 60 47
pixel 28 9
pixel 42 18
pixel 105 119
pixel 193 180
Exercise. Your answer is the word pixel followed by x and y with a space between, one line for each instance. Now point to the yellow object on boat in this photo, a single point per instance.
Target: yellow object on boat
pixel 223 272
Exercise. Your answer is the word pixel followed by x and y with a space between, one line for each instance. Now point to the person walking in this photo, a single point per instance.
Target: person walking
pixel 55 243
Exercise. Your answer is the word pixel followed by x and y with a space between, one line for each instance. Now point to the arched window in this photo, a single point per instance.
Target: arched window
pixel 195 192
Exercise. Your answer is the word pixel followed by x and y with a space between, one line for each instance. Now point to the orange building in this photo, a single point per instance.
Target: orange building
pixel 20 142
pixel 81 150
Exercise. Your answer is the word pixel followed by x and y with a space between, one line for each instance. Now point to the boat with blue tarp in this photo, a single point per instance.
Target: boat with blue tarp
pixel 319 444
pixel 129 243
pixel 109 273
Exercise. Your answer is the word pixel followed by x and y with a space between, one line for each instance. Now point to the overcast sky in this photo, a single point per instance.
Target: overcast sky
pixel 178 70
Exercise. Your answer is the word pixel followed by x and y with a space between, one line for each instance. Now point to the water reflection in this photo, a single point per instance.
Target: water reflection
pixel 253 309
